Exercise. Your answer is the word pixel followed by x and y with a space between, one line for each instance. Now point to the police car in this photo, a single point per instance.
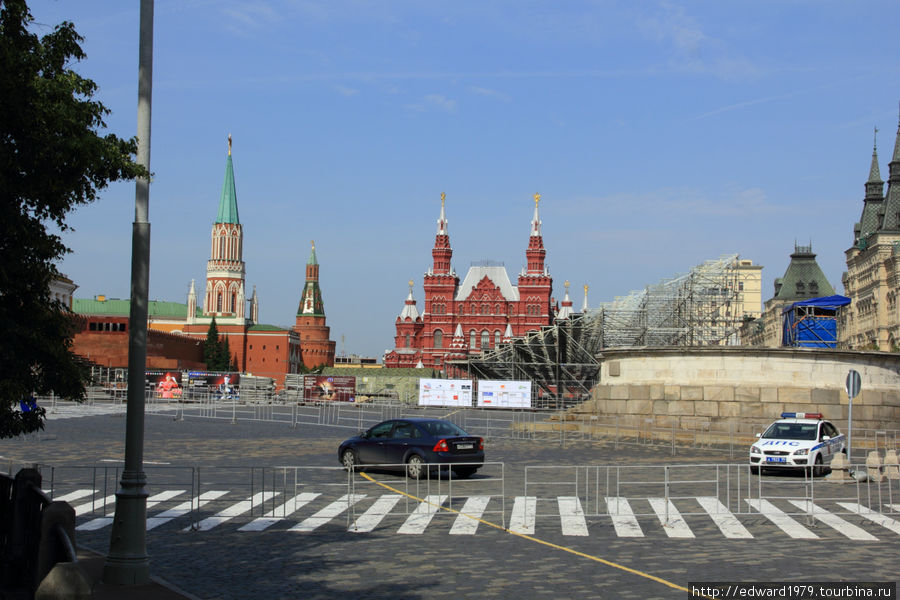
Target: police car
pixel 797 440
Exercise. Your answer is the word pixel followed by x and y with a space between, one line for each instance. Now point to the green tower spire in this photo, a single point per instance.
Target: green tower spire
pixel 228 209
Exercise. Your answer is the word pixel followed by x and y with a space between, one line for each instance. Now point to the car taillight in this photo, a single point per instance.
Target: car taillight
pixel 441 446
pixel 481 443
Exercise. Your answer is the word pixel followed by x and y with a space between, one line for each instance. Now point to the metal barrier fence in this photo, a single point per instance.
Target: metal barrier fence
pixel 269 494
pixel 549 426
pixel 709 489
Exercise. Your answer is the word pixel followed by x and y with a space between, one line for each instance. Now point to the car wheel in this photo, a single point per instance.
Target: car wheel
pixel 415 467
pixel 464 472
pixel 754 470
pixel 348 459
pixel 819 468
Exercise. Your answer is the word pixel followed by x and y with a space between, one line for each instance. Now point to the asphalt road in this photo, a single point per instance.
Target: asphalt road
pixel 570 553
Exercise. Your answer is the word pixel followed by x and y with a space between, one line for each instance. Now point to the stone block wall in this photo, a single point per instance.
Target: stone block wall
pixel 740 385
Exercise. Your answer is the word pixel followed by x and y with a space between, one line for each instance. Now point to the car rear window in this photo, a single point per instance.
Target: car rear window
pixel 442 428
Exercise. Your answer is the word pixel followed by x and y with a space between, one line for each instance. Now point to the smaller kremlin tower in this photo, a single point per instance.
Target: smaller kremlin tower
pixel 316 347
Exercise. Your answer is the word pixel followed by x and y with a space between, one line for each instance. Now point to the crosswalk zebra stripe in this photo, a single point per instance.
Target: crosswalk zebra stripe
pixel 623 519
pixel 280 512
pixel 233 511
pixel 781 520
pixel 727 523
pixel 672 521
pixel 523 515
pixel 183 508
pixel 94 505
pixel 101 522
pixel 77 494
pixel 370 519
pixel 421 517
pixel 466 522
pixel 571 516
pixel 832 520
pixel 875 517
pixel 328 513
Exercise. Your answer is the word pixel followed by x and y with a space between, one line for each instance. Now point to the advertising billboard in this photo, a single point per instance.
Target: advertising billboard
pixel 166 383
pixel 504 394
pixel 339 388
pixel 445 392
pixel 221 385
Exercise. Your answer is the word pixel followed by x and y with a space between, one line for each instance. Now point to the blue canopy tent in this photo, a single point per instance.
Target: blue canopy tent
pixel 812 323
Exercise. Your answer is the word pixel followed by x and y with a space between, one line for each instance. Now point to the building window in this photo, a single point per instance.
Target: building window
pixel 496 338
pixel 740 286
pixel 219 302
pixel 472 339
pixel 485 339
pixel 407 340
pixel 438 339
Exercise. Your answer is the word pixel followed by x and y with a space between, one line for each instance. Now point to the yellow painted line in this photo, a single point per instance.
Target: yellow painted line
pixel 451 414
pixel 530 538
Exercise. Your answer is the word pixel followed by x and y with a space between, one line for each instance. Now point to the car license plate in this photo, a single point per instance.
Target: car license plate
pixel 776 459
pixel 465 446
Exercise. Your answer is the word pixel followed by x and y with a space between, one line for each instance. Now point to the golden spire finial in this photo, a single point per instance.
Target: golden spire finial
pixel 585 288
pixel 537 198
pixel 229 144
pixel 566 284
pixel 313 244
pixel 443 197
pixel 410 283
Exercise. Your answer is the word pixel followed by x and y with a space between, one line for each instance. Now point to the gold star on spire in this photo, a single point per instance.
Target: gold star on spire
pixel 537 198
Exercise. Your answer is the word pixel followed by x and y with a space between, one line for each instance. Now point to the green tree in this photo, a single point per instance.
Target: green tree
pixel 52 160
pixel 212 347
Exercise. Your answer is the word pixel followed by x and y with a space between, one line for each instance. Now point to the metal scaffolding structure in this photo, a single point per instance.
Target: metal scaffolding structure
pixel 698 308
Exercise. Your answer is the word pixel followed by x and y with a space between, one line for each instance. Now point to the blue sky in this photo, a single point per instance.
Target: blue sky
pixel 659 134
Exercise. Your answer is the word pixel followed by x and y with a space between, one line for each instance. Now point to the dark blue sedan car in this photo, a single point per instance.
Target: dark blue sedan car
pixel 415 443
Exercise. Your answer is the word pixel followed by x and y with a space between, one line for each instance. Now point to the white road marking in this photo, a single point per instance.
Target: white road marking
pixel 571 516
pixel 233 511
pixel 279 513
pixel 848 529
pixel 328 513
pixel 183 508
pixel 782 520
pixel 421 517
pixel 726 521
pixel 75 495
pixel 623 519
pixel 466 522
pixel 875 517
pixel 523 514
pixel 370 519
pixel 675 527
pixel 101 522
pixel 94 505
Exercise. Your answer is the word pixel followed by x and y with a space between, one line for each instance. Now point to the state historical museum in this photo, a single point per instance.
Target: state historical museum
pixel 476 315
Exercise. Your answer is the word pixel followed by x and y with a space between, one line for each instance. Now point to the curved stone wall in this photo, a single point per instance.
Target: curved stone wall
pixel 738 384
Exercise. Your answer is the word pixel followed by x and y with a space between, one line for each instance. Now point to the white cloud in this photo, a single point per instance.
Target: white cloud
pixel 480 91
pixel 440 102
pixel 345 91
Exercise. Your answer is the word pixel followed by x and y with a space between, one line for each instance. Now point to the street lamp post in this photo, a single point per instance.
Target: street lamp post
pixel 127 562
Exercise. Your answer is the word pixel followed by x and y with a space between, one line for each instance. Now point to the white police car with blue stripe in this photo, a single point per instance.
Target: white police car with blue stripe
pixel 797 440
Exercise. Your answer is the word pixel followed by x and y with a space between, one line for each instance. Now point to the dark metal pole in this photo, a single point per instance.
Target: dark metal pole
pixel 127 562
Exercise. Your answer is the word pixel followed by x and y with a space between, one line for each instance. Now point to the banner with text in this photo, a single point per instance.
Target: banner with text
pixel 339 388
pixel 445 392
pixel 504 394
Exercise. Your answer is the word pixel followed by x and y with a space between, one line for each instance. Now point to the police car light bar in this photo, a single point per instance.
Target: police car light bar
pixel 796 415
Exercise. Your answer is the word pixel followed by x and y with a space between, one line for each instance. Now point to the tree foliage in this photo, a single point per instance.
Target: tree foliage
pixel 216 350
pixel 52 160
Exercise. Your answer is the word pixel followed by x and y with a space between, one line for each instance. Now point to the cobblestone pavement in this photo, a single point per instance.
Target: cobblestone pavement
pixel 224 563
